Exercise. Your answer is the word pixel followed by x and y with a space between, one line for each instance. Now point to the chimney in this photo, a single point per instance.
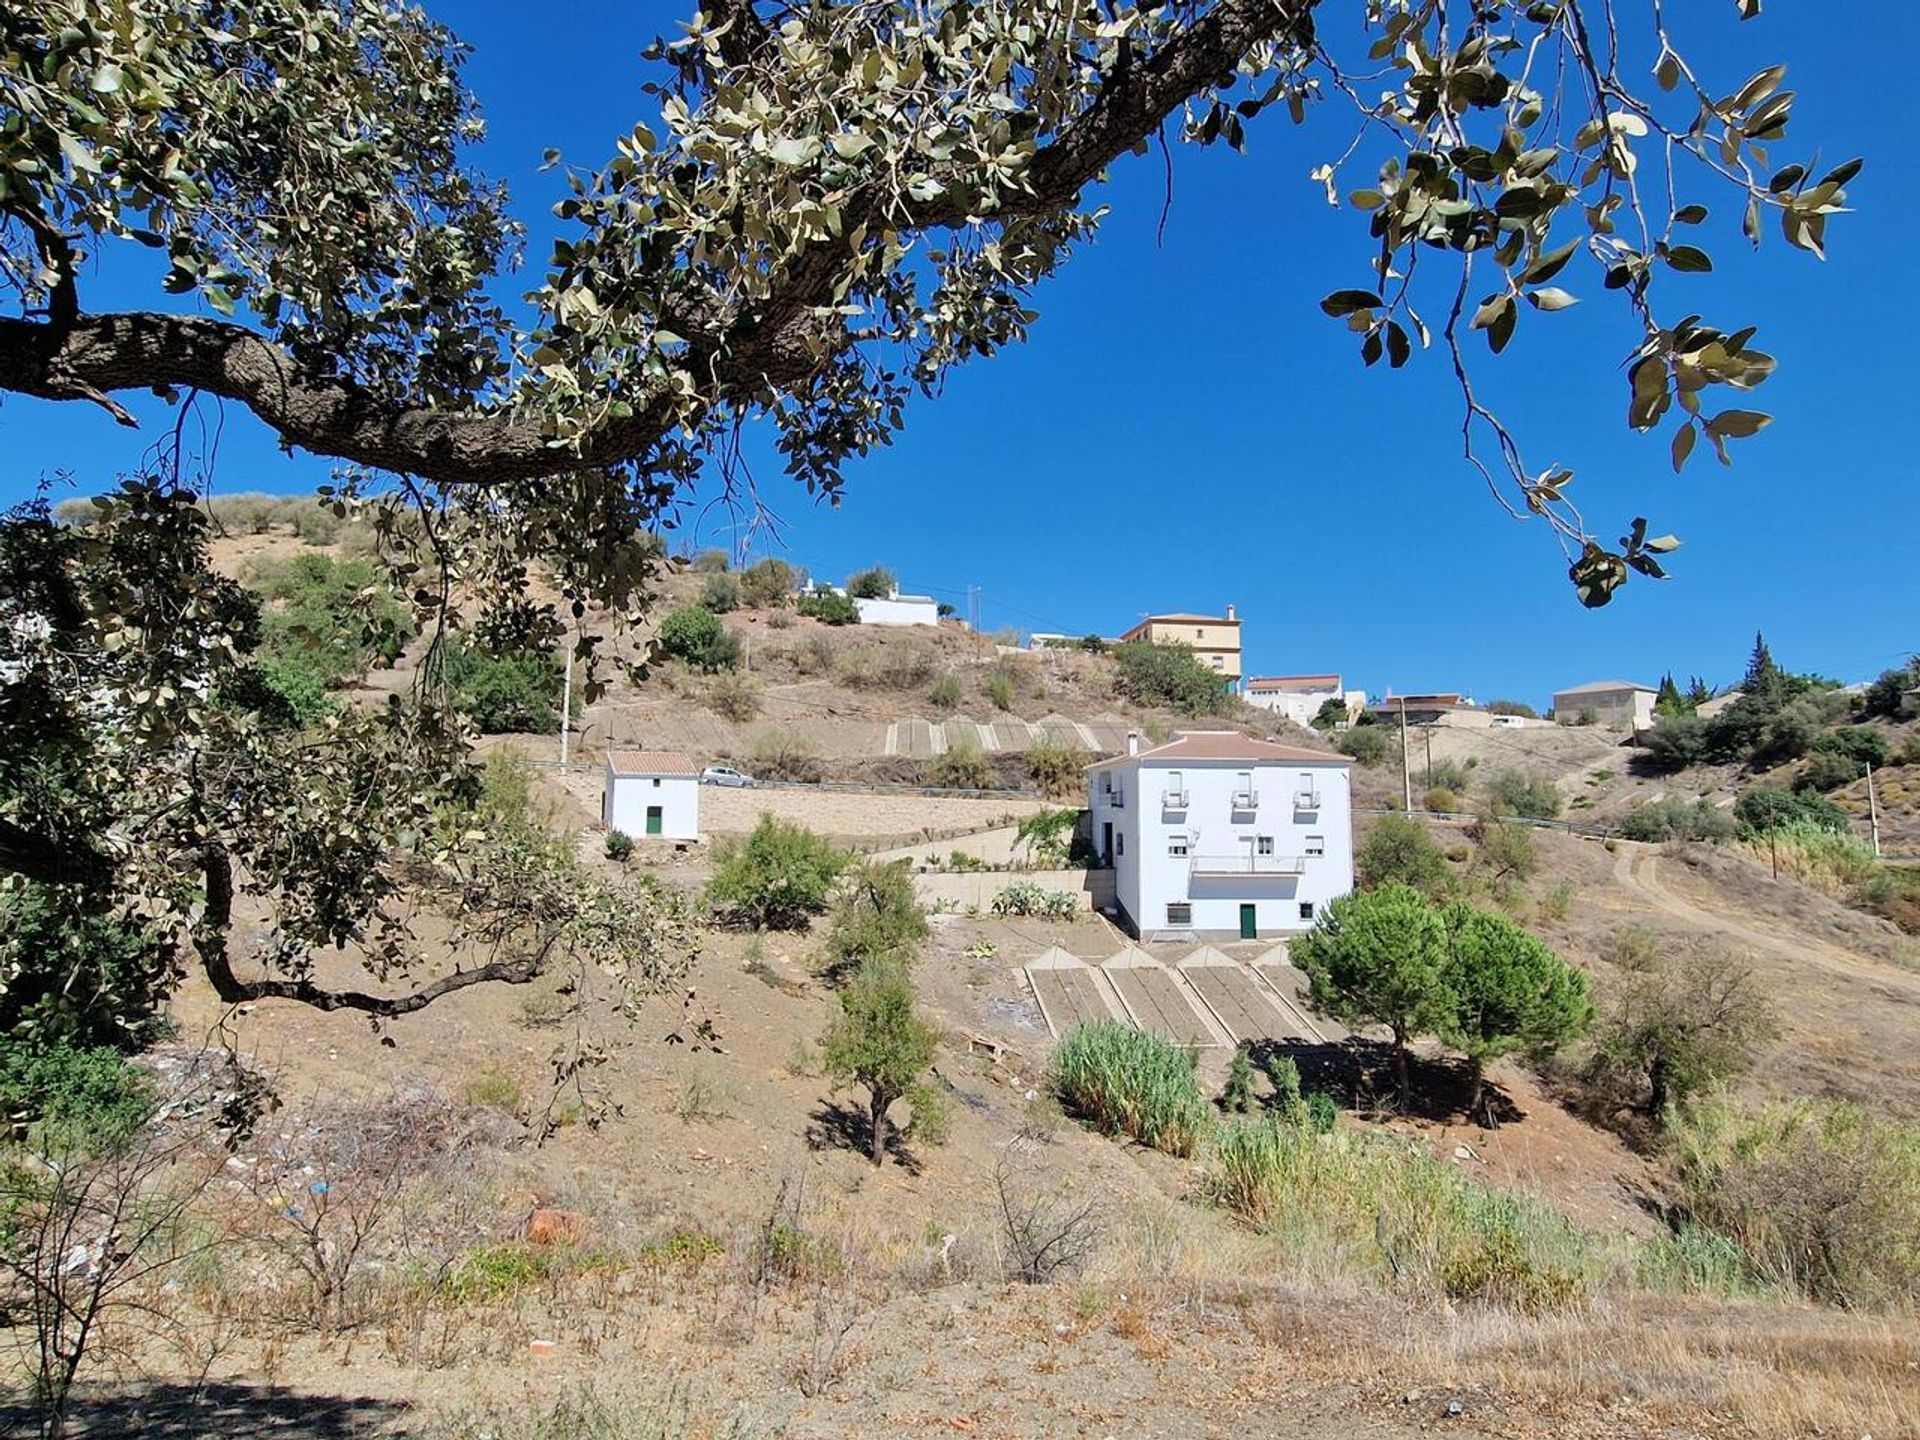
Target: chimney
pixel 1133 742
pixel 1230 614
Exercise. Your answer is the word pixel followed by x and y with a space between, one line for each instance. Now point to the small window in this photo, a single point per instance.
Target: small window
pixel 1306 909
pixel 1263 844
pixel 1177 849
pixel 1179 913
pixel 656 782
pixel 1119 844
pixel 1316 844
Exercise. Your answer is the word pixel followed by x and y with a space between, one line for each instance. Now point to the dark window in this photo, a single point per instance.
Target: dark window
pixel 1179 914
pixel 1306 909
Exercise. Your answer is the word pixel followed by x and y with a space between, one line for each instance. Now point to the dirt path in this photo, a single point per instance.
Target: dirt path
pixel 1637 869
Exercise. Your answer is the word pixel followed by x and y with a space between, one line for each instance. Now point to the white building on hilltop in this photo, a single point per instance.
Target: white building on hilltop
pixel 652 795
pixel 1216 833
pixel 1300 697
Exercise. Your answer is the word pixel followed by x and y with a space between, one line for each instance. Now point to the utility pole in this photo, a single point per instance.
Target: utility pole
pixel 1406 766
pixel 566 701
pixel 1426 734
pixel 1873 812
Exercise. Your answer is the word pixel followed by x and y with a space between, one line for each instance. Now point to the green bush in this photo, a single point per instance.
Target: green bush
pixel 782 755
pixel 73 974
pixel 876 583
pixel 776 878
pixel 1762 809
pixel 1023 897
pixel 1516 793
pixel 695 635
pixel 1056 768
pixel 1440 801
pixel 1000 689
pixel 828 607
pixel 1857 742
pixel 720 593
pixel 1506 992
pixel 619 845
pixel 1674 818
pixel 330 618
pixel 1331 715
pixel 66 1096
pixel 945 693
pixel 1448 775
pixel 900 665
pixel 710 562
pixel 1366 744
pixel 1132 1082
pixel 962 767
pixel 767 583
pixel 506 694
pixel 1399 851
pixel 1236 1095
pixel 1171 676
pixel 880 1042
pixel 1829 770
pixel 876 916
pixel 735 696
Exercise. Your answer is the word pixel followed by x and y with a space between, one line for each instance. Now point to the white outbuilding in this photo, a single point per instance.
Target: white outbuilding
pixel 652 795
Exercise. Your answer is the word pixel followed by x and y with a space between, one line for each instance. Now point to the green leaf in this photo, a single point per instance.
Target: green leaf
pixel 1549 264
pixel 1366 199
pixel 106 79
pixel 1738 424
pixel 1689 214
pixel 1551 298
pixel 1689 258
pixel 1684 440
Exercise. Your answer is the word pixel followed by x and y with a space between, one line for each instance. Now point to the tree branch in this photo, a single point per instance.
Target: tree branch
pixel 90 356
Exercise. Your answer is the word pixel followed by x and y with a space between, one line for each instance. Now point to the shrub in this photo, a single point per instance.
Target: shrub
pixel 1506 992
pixel 1399 851
pixel 1366 744
pixel 875 583
pixel 879 1042
pixel 75 975
pixel 1857 742
pixel 876 916
pixel 962 767
pixel 1674 818
pixel 1331 715
pixel 619 845
pixel 734 696
pixel 332 617
pixel 720 593
pixel 901 665
pixel 514 693
pixel 1506 849
pixel 767 583
pixel 1379 957
pixel 1132 1082
pixel 776 878
pixel 695 635
pixel 66 1095
pixel 1055 767
pixel 1448 775
pixel 1885 697
pixel 1821 1197
pixel 1000 689
pixel 1829 860
pixel 1676 742
pixel 1050 835
pixel 1023 897
pixel 710 562
pixel 945 693
pixel 1236 1095
pixel 1829 770
pixel 1762 809
pixel 1517 793
pixel 828 607
pixel 782 755
pixel 1672 1029
pixel 1171 676
pixel 1512 707
pixel 1440 801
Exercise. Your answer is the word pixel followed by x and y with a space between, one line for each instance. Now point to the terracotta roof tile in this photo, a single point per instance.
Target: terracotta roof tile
pixel 651 762
pixel 1198 745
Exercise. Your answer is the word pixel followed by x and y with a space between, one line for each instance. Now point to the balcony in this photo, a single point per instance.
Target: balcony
pixel 1306 799
pixel 1173 800
pixel 1247 863
pixel 1248 799
pixel 1117 799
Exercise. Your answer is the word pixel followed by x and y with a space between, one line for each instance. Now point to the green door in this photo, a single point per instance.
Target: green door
pixel 653 827
pixel 1248 930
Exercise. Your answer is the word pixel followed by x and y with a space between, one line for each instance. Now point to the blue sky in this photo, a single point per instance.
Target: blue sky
pixel 1185 429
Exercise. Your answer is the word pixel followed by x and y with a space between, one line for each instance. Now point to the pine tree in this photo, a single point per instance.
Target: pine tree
pixel 1698 693
pixel 1670 701
pixel 1764 679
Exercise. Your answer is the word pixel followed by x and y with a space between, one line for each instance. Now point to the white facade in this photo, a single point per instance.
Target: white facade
pixel 898 609
pixel 651 795
pixel 1301 697
pixel 1217 833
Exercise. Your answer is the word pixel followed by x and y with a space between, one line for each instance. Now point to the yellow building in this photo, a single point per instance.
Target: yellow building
pixel 1214 638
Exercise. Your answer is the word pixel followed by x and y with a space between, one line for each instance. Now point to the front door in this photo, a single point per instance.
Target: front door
pixel 653 819
pixel 1106 841
pixel 1248 928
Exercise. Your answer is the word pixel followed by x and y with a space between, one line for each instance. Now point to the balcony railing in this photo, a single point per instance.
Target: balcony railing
pixel 1248 799
pixel 1173 800
pixel 1306 799
pixel 1247 863
pixel 1117 799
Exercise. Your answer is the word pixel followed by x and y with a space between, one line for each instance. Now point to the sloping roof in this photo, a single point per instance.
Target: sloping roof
pixel 1294 682
pixel 1202 745
pixel 1596 687
pixel 650 762
pixel 1181 617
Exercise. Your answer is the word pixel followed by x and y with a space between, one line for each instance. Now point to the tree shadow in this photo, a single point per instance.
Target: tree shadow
pixel 165 1411
pixel 1359 1074
pixel 838 1126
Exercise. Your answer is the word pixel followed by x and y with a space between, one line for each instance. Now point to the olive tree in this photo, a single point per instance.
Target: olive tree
pixel 820 213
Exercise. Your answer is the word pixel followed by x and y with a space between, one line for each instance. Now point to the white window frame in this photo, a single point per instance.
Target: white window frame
pixel 1263 844
pixel 1177 849
pixel 1186 919
pixel 1306 909
pixel 1316 845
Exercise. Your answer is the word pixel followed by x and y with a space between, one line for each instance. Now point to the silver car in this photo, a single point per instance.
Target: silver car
pixel 724 775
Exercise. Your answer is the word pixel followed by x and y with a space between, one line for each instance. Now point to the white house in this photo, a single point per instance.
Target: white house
pixel 1616 704
pixel 898 609
pixel 652 794
pixel 1216 833
pixel 1300 697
